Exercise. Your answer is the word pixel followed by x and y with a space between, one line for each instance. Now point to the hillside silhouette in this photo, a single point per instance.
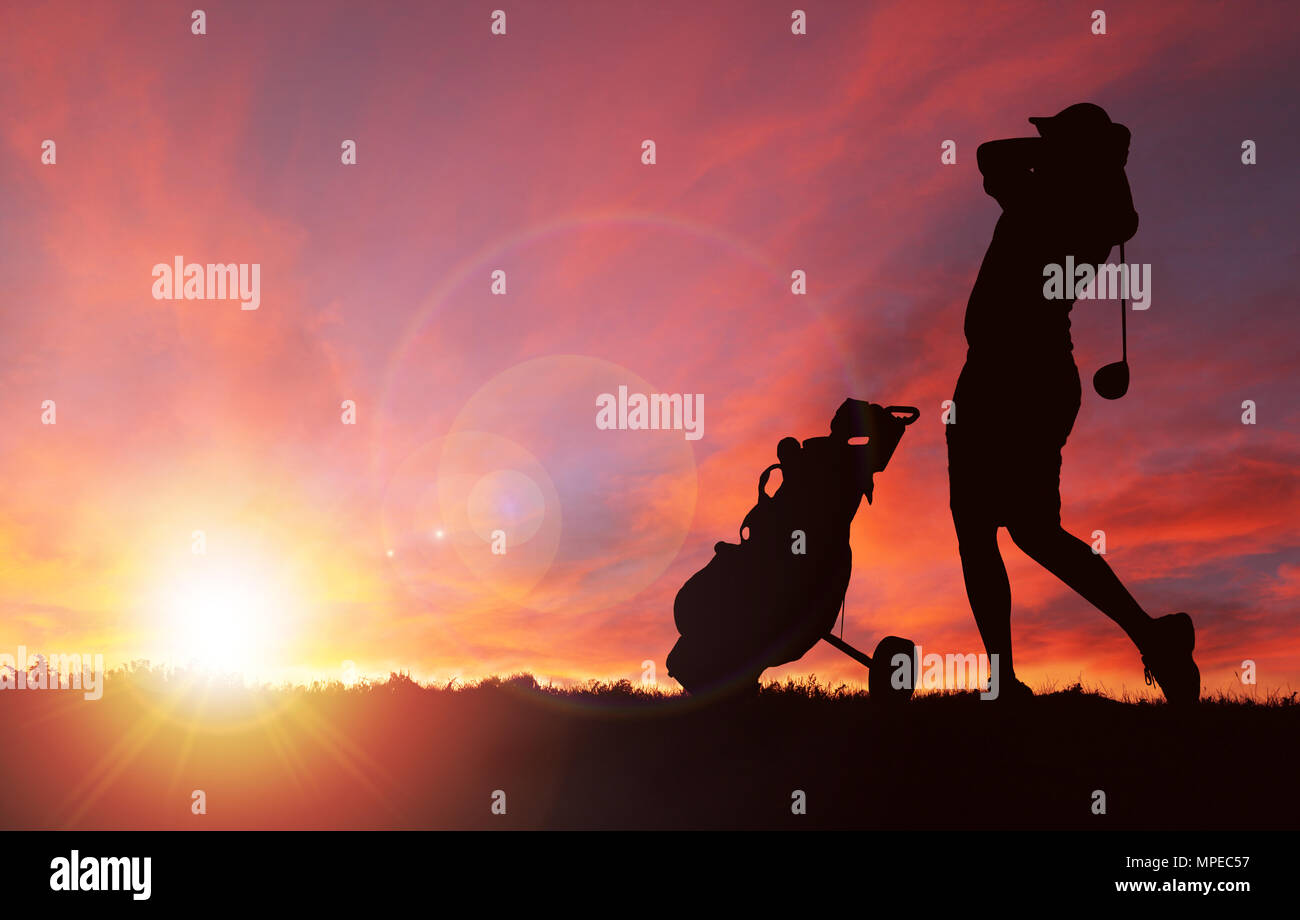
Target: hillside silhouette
pixel 396 754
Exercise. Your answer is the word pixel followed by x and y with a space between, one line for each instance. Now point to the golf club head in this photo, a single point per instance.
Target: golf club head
pixel 1111 381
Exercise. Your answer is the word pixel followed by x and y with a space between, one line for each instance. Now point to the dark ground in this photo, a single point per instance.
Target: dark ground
pixel 396 755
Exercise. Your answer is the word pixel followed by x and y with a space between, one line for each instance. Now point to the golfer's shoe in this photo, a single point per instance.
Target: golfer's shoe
pixel 1012 690
pixel 1167 657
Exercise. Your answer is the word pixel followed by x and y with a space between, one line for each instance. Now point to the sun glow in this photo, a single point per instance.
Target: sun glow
pixel 223 617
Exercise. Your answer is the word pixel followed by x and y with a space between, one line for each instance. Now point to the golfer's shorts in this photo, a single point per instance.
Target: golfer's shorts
pixel 1004 449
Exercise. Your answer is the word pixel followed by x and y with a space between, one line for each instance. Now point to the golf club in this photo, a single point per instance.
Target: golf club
pixel 1111 381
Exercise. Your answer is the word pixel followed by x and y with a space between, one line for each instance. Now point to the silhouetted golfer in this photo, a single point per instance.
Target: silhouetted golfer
pixel 1063 193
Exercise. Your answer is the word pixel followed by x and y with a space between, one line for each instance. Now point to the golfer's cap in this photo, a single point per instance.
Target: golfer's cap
pixel 1079 119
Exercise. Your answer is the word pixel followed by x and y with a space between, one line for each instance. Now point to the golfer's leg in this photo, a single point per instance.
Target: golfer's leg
pixel 1074 562
pixel 987 587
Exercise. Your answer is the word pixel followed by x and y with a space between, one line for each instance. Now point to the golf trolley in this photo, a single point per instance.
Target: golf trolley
pixel 770 598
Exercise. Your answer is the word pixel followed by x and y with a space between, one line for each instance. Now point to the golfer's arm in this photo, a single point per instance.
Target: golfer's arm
pixel 1014 154
pixel 1107 211
pixel 1007 166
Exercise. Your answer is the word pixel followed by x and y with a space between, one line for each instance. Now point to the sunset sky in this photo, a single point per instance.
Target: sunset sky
pixel 368 543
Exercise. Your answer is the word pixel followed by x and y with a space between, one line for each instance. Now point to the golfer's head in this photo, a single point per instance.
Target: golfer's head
pixel 1082 136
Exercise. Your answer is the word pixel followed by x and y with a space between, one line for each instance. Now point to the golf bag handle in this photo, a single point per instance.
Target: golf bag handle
pixel 913 413
pixel 762 496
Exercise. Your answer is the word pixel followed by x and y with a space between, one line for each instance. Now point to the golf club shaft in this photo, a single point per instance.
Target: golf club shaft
pixel 1123 305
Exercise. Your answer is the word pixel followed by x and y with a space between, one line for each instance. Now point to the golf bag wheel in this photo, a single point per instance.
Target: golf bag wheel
pixel 884 662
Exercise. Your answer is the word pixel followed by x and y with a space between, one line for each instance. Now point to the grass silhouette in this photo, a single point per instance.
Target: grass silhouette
pixel 398 754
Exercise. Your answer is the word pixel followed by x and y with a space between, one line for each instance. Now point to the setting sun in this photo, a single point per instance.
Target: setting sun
pixel 226 617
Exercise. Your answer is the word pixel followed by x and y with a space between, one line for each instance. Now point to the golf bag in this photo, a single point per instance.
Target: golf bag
pixel 768 599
